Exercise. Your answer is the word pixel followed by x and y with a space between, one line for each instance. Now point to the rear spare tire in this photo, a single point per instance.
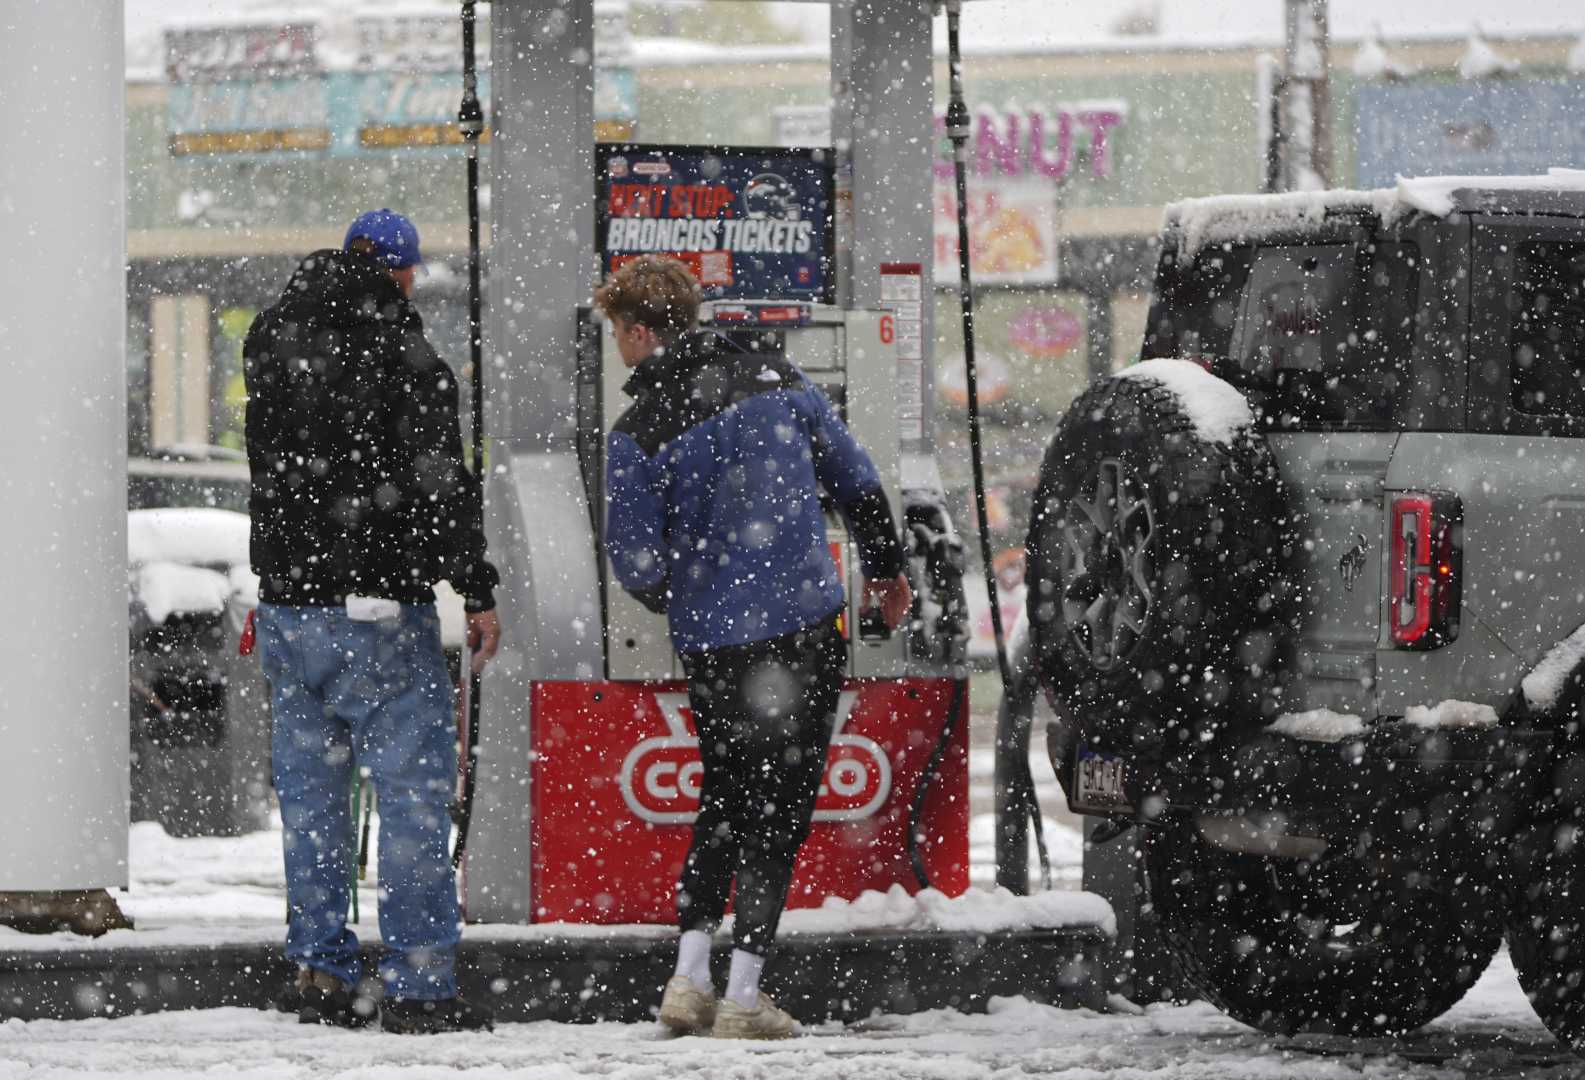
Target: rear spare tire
pixel 1155 600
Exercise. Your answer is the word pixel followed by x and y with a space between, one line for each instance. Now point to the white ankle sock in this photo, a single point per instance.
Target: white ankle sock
pixel 742 985
pixel 693 958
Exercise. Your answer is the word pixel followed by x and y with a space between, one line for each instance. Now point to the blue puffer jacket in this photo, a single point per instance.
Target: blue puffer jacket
pixel 712 501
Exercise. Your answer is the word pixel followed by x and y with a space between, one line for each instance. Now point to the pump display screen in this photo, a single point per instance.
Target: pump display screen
pixel 751 222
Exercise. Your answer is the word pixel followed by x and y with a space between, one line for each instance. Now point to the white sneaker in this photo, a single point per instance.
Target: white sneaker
pixel 765 1021
pixel 685 1008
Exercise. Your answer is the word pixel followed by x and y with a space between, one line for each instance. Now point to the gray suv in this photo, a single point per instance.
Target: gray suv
pixel 1307 595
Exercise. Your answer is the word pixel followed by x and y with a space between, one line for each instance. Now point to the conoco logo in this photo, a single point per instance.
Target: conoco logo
pixel 661 776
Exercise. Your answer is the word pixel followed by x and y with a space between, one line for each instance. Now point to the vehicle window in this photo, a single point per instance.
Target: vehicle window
pixel 1196 303
pixel 160 492
pixel 1548 340
pixel 1325 333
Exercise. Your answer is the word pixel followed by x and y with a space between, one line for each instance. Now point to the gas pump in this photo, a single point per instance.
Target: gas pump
pixel 617 784
pixel 588 770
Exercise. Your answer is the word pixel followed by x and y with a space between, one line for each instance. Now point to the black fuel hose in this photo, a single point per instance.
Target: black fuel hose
pixel 958 132
pixel 470 120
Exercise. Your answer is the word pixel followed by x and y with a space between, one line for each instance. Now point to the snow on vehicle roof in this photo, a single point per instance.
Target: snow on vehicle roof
pixel 193 536
pixel 1217 410
pixel 167 588
pixel 1221 219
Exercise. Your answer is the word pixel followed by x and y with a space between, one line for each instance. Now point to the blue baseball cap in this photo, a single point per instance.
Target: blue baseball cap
pixel 393 236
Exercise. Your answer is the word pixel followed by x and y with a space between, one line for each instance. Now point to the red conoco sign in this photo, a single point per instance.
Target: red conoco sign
pixel 616 788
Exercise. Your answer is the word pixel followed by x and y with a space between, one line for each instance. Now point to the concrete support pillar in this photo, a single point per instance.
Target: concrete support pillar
pixel 63 639
pixel 883 100
pixel 542 263
pixel 541 534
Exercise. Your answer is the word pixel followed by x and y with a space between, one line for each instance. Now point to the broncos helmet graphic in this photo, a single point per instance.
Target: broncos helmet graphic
pixel 769 196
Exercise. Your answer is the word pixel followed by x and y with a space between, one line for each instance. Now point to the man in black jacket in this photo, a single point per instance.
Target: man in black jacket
pixel 360 503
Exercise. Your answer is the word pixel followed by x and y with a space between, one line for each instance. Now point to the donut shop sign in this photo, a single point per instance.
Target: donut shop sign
pixel 1057 144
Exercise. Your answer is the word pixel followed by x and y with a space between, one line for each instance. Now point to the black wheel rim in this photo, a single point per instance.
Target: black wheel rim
pixel 1107 565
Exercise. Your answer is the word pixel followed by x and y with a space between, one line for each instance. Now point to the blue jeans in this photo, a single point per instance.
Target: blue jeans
pixel 376 696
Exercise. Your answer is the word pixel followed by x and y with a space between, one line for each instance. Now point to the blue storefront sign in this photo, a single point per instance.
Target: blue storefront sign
pixel 249 117
pixel 1484 128
pixel 349 113
pixel 751 222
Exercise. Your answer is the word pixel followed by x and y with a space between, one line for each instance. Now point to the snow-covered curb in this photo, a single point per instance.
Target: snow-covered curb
pixel 979 911
pixel 984 911
pixel 1217 410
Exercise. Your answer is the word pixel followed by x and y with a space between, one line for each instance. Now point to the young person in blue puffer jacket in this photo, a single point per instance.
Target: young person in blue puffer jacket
pixel 714 519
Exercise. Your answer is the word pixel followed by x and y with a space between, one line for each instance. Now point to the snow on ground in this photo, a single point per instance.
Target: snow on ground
pixel 229 889
pixel 1064 843
pixel 1491 1033
pixel 209 890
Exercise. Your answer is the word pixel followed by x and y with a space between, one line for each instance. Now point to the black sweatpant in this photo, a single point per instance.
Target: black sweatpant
pixel 764 713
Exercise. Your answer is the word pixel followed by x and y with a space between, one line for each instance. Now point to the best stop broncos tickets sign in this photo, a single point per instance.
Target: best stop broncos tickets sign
pixel 752 223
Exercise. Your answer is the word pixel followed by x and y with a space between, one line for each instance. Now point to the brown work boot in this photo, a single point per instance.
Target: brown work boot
pixel 412 1017
pixel 90 912
pixel 321 998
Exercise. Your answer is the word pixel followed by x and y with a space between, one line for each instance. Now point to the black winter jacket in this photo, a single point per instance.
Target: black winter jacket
pixel 359 486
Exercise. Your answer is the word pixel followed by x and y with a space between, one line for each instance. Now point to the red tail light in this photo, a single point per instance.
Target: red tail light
pixel 1427 564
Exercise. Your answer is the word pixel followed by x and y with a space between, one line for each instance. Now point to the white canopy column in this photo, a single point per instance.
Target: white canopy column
pixel 64 741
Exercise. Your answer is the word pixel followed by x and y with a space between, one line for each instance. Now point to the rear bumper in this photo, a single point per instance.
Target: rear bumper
pixel 1397 778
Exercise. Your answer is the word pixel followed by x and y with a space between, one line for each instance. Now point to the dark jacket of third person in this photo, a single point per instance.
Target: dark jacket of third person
pixel 359 485
pixel 713 509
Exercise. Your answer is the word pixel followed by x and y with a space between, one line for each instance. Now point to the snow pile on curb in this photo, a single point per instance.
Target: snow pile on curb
pixel 1217 410
pixel 1318 725
pixel 1452 714
pixel 1544 685
pixel 977 910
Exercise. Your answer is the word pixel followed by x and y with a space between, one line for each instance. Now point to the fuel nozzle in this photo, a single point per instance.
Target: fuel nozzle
pixel 872 626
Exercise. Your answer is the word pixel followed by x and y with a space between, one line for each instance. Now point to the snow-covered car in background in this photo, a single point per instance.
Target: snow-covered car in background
pixel 216 478
pixel 199 710
pixel 200 729
pixel 1307 589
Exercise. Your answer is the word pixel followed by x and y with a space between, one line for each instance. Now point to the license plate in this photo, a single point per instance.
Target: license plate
pixel 1099 782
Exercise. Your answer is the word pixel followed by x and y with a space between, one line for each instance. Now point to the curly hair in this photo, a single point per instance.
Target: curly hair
pixel 653 291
